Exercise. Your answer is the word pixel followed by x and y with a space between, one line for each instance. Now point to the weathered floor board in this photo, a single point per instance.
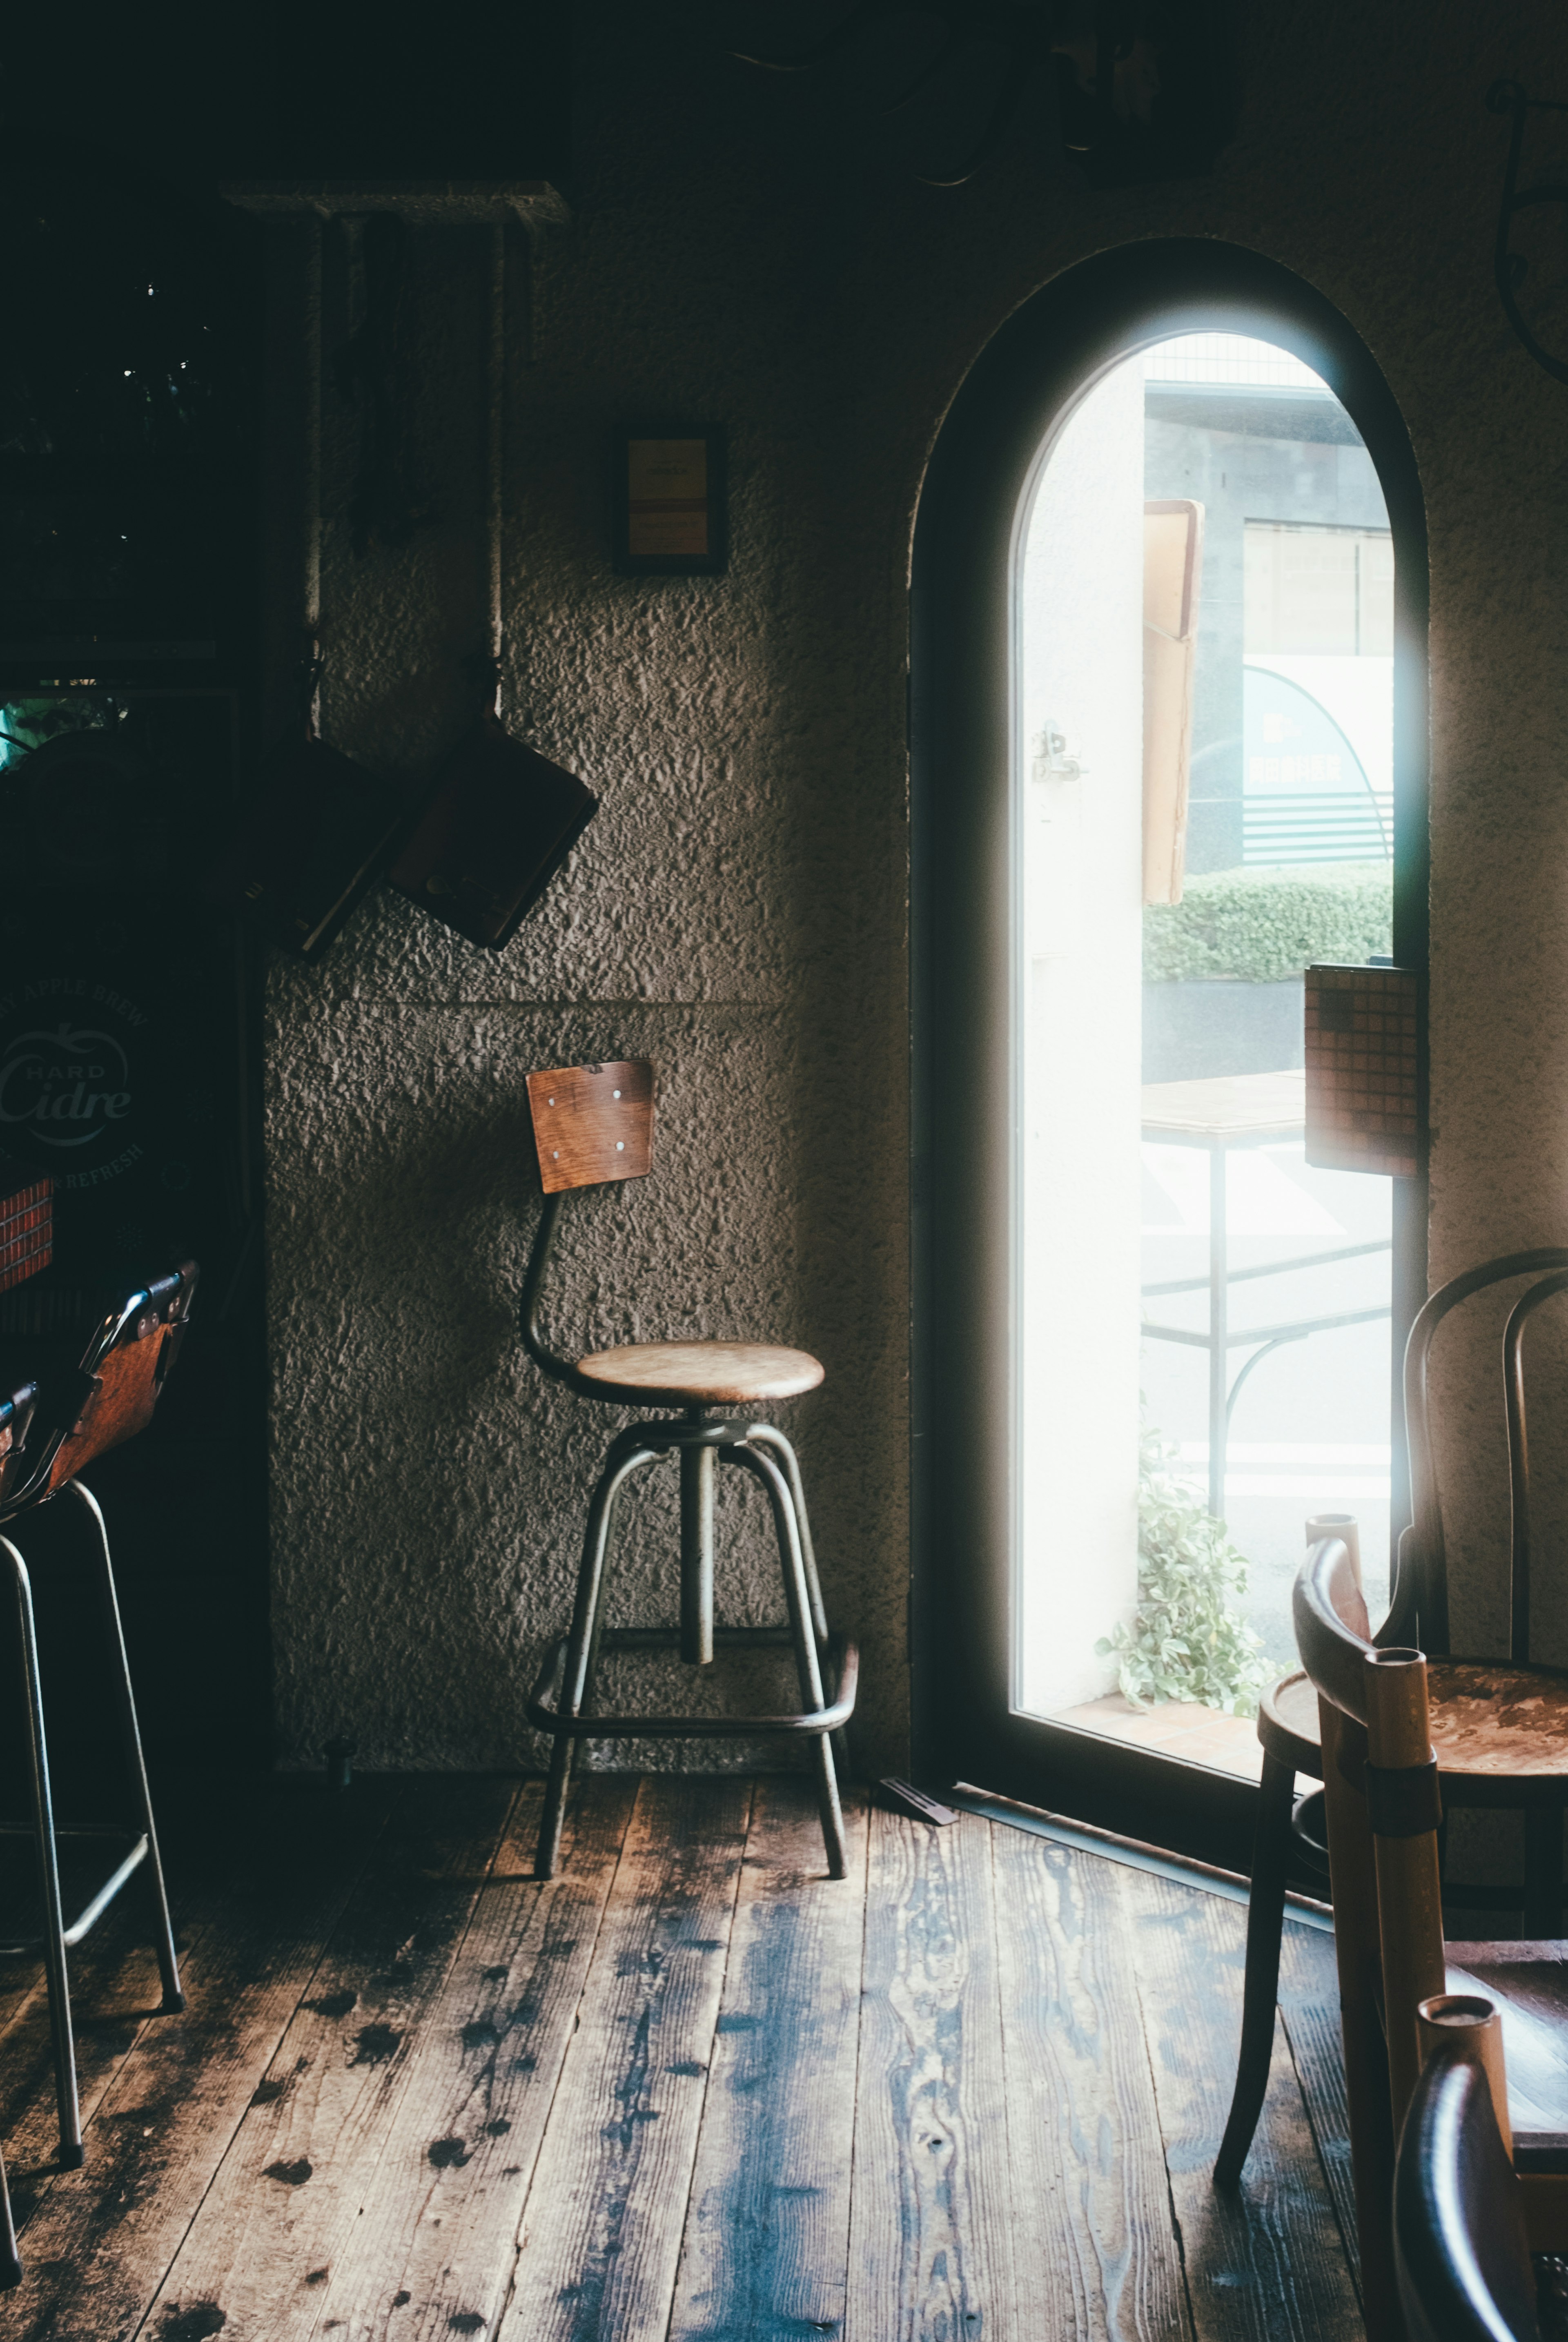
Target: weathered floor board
pixel 601 2233
pixel 767 2235
pixel 1309 2005
pixel 437 2241
pixel 105 2237
pixel 289 2191
pixel 689 2090
pixel 1265 2261
pixel 932 2223
pixel 1096 2258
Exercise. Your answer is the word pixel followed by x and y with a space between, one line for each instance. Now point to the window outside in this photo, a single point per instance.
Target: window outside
pixel 1205 807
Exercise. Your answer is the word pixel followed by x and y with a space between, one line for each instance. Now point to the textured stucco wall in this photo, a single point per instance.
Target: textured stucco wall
pixel 738 910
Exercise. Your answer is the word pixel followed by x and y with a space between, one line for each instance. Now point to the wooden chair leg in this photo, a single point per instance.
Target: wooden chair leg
pixel 808 1664
pixel 1259 1994
pixel 626 1456
pixel 1359 1959
pixel 1543 1872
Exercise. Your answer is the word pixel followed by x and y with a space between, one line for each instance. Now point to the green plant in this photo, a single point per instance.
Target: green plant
pixel 1259 926
pixel 1186 1641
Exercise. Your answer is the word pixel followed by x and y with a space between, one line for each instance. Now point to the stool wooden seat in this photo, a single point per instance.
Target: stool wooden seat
pixel 593 1125
pixel 704 1374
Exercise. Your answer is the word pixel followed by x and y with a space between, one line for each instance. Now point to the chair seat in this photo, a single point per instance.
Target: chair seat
pixel 704 1374
pixel 1490 1721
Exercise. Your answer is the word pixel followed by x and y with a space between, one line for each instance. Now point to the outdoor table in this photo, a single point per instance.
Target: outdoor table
pixel 1225 1111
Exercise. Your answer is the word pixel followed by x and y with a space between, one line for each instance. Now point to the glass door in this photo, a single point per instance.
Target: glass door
pixel 1202 808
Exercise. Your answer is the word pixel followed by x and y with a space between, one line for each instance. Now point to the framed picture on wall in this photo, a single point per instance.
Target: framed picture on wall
pixel 668 500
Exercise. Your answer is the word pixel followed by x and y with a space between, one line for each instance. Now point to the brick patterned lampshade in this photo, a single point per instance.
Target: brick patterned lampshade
pixel 26 1231
pixel 1361 1070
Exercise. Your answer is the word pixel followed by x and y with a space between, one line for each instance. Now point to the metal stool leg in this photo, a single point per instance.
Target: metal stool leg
pixel 768 1434
pixel 626 1456
pixel 10 2259
pixel 174 1998
pixel 808 1665
pixel 1260 1994
pixel 72 2154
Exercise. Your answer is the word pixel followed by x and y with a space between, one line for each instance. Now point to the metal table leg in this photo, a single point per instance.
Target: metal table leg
pixel 1219 1329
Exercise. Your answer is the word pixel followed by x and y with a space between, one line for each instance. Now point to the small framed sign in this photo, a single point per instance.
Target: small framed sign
pixel 670 516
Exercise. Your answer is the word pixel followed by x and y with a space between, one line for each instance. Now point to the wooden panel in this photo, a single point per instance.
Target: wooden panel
pixel 601 2233
pixel 290 2191
pixel 1266 2260
pixel 437 2234
pixel 104 2236
pixel 774 2161
pixel 1172 574
pixel 593 1122
pixel 1096 2258
pixel 930 2242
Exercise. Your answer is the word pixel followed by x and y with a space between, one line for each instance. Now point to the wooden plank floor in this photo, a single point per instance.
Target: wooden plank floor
pixel 688 2091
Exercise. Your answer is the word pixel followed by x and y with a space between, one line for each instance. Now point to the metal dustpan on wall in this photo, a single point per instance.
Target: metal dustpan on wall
pixel 499 825
pixel 315 842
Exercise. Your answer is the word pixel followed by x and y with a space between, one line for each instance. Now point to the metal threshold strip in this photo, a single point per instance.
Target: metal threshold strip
pixel 1084 1839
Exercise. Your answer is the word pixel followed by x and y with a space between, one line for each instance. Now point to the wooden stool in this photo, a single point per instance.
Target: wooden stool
pixel 72 1412
pixel 594 1125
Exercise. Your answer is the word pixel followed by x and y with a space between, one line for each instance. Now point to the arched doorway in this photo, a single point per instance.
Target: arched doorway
pixel 1049 514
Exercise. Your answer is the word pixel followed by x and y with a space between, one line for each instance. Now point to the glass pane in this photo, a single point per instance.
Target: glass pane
pixel 1205 807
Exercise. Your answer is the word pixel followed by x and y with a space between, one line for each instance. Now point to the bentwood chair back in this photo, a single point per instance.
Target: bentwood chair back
pixel 1462 2252
pixel 1419 1610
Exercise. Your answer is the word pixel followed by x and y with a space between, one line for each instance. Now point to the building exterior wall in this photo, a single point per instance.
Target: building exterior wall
pixel 739 252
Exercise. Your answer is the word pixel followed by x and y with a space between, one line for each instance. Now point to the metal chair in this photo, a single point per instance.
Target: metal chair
pixel 1500 1726
pixel 76 1411
pixel 594 1125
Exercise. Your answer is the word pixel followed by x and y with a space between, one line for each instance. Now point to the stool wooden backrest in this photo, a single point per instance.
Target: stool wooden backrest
pixel 88 1405
pixel 123 1370
pixel 592 1124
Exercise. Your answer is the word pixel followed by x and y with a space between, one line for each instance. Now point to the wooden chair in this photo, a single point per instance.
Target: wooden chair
pixel 1501 1727
pixel 81 1404
pixel 594 1125
pixel 1462 2255
pixel 1384 1809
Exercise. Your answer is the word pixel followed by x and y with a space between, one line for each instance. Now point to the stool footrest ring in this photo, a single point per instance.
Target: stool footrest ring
pixel 88 1917
pixel 844 1657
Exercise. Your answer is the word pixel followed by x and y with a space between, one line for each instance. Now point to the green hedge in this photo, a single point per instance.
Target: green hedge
pixel 1262 926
